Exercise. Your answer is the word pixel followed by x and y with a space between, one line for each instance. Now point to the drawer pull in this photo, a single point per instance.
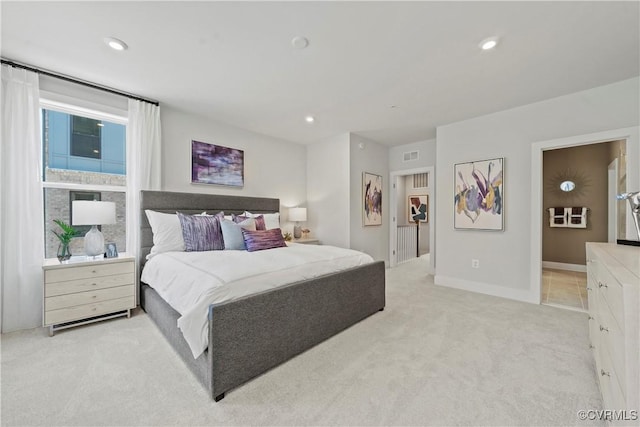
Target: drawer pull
pixel 94 271
pixel 591 346
pixel 94 296
pixel 94 309
pixel 602 285
pixel 588 288
pixel 603 373
pixel 93 284
pixel 602 328
pixel 590 317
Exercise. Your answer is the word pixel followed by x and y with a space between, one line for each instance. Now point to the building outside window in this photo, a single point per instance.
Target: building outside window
pixel 84 156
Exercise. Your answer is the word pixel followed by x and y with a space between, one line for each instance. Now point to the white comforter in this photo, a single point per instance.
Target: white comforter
pixel 191 281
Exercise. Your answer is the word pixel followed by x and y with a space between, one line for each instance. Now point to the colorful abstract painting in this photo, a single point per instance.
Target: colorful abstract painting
pixel 372 195
pixel 419 208
pixel 479 195
pixel 215 164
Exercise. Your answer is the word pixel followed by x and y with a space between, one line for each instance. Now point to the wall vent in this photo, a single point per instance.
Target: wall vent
pixel 410 155
pixel 421 180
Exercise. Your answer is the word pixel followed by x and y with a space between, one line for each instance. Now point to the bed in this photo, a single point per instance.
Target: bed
pixel 253 334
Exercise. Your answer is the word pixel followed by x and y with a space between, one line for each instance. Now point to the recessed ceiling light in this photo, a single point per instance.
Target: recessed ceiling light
pixel 115 44
pixel 299 42
pixel 488 44
pixel 309 119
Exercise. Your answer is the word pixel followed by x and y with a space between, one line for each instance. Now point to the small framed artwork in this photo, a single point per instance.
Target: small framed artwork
pixel 419 208
pixel 215 164
pixel 372 199
pixel 479 195
pixel 111 250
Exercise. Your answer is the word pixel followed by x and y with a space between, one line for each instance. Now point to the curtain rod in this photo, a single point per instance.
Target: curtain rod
pixel 74 80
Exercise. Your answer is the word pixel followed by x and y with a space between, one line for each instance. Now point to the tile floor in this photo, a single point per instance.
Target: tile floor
pixel 565 288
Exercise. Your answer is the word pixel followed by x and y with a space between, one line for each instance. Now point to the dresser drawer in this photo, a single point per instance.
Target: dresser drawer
pixel 93 296
pixel 88 272
pixel 610 383
pixel 611 291
pixel 612 339
pixel 87 284
pixel 88 310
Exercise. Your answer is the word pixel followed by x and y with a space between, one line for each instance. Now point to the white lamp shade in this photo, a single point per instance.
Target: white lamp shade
pixel 86 212
pixel 297 214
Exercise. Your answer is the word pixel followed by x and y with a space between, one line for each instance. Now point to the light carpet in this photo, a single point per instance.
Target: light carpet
pixel 435 356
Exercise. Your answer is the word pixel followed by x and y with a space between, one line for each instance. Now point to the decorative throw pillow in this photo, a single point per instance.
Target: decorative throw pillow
pixel 260 225
pixel 271 220
pixel 167 232
pixel 232 233
pixel 201 233
pixel 261 240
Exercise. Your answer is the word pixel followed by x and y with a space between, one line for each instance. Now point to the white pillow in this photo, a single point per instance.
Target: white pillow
pixel 167 232
pixel 271 220
pixel 232 233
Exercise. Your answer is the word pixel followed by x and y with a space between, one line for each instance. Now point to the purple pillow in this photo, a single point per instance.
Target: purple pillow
pixel 260 224
pixel 264 239
pixel 201 233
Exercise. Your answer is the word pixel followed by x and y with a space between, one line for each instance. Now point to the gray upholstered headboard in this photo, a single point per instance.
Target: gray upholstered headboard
pixel 170 202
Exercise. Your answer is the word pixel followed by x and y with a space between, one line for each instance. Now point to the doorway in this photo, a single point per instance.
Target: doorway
pixel 412 195
pixel 541 217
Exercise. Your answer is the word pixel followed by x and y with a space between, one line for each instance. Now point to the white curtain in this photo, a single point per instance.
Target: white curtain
pixel 21 206
pixel 143 163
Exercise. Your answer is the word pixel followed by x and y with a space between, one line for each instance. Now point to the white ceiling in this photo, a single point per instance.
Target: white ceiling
pixel 234 62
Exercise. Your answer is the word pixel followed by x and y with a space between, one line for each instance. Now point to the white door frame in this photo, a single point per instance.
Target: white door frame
pixel 612 202
pixel 629 134
pixel 393 224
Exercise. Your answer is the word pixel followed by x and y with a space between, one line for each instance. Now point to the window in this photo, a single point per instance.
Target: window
pixel 84 158
pixel 86 138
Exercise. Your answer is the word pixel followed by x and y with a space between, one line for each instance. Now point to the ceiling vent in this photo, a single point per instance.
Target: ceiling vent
pixel 410 155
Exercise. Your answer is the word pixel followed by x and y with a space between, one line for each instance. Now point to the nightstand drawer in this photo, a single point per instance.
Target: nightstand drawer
pixel 87 272
pixel 88 284
pixel 80 298
pixel 83 311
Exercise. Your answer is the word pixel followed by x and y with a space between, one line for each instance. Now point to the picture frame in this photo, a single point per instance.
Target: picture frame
pixel 479 195
pixel 418 208
pixel 111 250
pixel 371 199
pixel 216 164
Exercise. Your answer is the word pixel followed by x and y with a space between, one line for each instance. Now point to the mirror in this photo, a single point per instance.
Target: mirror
pixel 567 186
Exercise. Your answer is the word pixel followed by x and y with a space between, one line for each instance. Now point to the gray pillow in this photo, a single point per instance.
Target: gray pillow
pixel 232 233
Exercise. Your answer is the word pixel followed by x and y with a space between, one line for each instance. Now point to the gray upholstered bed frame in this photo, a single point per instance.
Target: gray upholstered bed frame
pixel 251 335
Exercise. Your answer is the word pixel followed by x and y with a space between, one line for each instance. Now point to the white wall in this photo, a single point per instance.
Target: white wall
pixel 328 190
pixel 272 167
pixel 505 256
pixel 426 152
pixel 368 156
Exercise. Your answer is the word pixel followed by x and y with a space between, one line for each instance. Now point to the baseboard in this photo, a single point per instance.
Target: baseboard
pixel 524 295
pixel 563 266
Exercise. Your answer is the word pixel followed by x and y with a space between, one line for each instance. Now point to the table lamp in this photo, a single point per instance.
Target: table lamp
pixel 93 213
pixel 296 215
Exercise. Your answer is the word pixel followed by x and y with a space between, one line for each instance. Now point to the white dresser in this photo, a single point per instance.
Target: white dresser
pixel 87 291
pixel 613 283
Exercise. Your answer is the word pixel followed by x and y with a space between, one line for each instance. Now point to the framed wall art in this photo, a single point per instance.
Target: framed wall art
pixel 419 208
pixel 215 164
pixel 479 195
pixel 372 199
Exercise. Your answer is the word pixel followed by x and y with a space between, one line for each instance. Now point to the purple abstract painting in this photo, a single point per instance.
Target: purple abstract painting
pixel 479 195
pixel 215 164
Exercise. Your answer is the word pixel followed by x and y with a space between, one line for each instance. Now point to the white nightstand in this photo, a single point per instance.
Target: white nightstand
pixel 307 241
pixel 87 291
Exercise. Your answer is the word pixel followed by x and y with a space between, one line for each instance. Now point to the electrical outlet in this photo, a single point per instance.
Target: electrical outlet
pixel 475 263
